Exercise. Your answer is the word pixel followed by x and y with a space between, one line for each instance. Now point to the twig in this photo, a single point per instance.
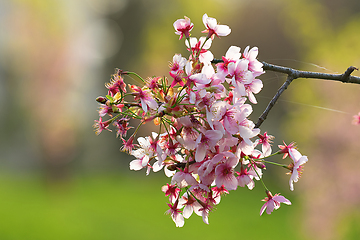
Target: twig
pixel 263 116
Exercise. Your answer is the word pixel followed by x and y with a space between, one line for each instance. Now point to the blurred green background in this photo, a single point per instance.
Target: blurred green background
pixel 60 181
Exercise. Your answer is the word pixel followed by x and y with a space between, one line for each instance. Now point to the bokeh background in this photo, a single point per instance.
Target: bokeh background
pixel 60 181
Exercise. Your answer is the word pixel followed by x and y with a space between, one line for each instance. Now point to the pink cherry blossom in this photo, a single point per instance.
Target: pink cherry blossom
pixel 217 192
pixel 232 55
pixel 122 126
pixel 183 27
pixel 225 173
pixel 254 65
pixel 206 141
pixel 146 99
pixel 253 88
pixel 178 63
pixel 206 172
pixel 116 85
pixel 265 140
pixel 143 154
pixel 204 130
pixel 183 179
pixel 178 78
pixel 290 150
pixel 200 48
pixel 188 134
pixel 99 126
pixel 228 114
pixel 246 178
pixel 356 120
pixel 172 191
pixel 273 202
pixel 175 214
pixel 190 205
pixel 215 84
pixel 213 28
pixel 240 75
pixel 205 210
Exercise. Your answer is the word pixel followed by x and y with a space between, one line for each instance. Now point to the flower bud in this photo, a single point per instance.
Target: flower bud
pixel 172 167
pixel 101 100
pixel 260 165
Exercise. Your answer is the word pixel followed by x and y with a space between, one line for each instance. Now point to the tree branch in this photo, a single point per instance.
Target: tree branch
pixel 345 77
pixel 293 74
pixel 263 116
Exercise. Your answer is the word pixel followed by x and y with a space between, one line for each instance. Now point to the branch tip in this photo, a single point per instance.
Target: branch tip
pixel 347 73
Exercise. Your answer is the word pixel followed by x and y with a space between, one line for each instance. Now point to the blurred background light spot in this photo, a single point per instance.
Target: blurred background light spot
pixel 107 6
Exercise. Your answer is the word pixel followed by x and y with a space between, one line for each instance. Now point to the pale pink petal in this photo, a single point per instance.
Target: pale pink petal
pixel 187 211
pixel 302 160
pixel 282 199
pixel 200 153
pixel 270 206
pixel 233 53
pixel 294 154
pixel 136 165
pixel 207 44
pixel 178 219
pixel 157 166
pixel 206 57
pixel 263 208
pixel 223 30
pixel 197 207
pixel 190 179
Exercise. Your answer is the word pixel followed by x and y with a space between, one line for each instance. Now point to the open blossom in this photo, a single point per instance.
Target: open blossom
pixel 232 55
pixel 183 27
pixel 178 63
pixel 100 125
pixel 240 75
pixel 213 28
pixel 290 150
pixel 225 170
pixel 200 48
pixel 172 191
pixel 265 140
pixel 176 215
pixel 206 141
pixel 254 65
pixel 190 205
pixel 143 154
pixel 273 202
pixel 146 99
pixel 246 178
pixel 116 85
pixel 183 179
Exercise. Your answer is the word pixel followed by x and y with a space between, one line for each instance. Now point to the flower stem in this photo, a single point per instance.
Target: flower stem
pixel 137 75
pixel 262 182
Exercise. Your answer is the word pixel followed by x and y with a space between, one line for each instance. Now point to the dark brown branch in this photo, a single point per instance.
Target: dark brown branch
pixel 263 116
pixel 293 74
pixel 345 77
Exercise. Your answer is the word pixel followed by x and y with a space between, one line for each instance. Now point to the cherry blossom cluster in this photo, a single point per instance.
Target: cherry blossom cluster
pixel 205 141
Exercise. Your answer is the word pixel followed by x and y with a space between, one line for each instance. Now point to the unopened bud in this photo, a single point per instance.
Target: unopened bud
pixel 172 167
pixel 101 100
pixel 260 165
